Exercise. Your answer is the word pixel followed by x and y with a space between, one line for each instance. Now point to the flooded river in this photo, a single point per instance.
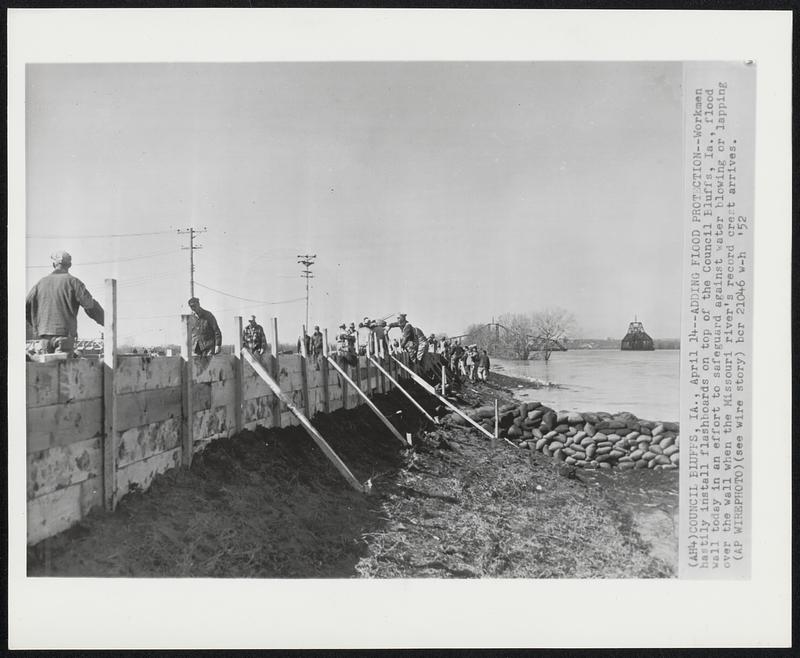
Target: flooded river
pixel 644 383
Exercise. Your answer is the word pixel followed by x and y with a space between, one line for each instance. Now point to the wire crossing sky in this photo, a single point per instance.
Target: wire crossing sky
pixel 453 192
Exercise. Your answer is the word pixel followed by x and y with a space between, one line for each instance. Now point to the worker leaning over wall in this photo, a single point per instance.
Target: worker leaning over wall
pixel 51 307
pixel 206 336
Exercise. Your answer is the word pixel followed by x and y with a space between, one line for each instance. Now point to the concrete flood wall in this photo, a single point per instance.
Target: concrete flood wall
pixel 67 413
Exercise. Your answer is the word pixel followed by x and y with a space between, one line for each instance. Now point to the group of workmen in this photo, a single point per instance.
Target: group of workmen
pixel 52 305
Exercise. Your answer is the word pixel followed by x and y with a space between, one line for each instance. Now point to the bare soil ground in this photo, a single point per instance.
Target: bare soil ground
pixel 268 504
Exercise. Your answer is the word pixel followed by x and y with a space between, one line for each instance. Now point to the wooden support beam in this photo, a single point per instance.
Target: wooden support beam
pixel 307 426
pixel 238 391
pixel 358 377
pixel 444 400
pixel 403 391
pixel 376 352
pixel 366 399
pixel 323 366
pixel 304 373
pixel 275 371
pixel 109 397
pixel 187 408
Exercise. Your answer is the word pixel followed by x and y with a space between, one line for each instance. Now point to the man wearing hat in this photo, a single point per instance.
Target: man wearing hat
pixel 408 341
pixel 343 342
pixel 51 307
pixel 253 337
pixel 378 329
pixel 206 336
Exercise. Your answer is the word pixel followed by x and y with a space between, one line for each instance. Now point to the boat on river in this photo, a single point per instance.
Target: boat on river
pixel 637 338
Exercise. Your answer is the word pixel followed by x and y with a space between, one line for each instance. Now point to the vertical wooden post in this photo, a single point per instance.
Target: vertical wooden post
pixel 323 366
pixel 304 373
pixel 369 366
pixel 357 378
pixel 238 376
pixel 187 356
pixel 496 424
pixel 444 381
pixel 109 397
pixel 275 372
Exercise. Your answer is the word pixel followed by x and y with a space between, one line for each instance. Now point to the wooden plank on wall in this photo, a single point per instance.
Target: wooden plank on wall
pixel 80 379
pixel 62 466
pixel 214 368
pixel 141 373
pixel 210 422
pixel 258 410
pixel 213 394
pixel 41 383
pixel 62 424
pixel 254 387
pixel 135 409
pixel 137 443
pixel 57 511
pixel 140 475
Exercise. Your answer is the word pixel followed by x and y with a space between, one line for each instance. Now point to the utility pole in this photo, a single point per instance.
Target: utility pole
pixel 191 231
pixel 307 260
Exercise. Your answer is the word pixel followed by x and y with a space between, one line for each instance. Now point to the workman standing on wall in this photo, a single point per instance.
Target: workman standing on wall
pixel 316 343
pixel 410 339
pixel 378 329
pixel 253 337
pixel 51 307
pixel 206 336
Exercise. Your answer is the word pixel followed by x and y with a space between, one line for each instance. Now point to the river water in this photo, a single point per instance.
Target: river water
pixel 644 383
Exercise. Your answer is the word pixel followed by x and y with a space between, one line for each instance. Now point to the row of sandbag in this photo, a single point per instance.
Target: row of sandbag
pixel 588 439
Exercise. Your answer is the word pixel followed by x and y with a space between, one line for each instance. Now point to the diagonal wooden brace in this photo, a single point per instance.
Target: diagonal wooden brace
pixel 403 391
pixel 433 392
pixel 307 426
pixel 369 402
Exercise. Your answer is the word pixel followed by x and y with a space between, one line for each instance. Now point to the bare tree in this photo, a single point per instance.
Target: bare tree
pixel 518 328
pixel 551 329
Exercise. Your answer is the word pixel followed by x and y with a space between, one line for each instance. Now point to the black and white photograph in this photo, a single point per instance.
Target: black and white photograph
pixel 342 319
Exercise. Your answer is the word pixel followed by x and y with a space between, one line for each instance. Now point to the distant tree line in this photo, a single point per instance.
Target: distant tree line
pixel 524 336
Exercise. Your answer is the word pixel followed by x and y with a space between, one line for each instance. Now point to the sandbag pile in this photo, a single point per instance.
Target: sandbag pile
pixel 587 440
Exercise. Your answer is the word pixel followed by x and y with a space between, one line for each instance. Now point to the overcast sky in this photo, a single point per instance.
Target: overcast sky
pixel 453 192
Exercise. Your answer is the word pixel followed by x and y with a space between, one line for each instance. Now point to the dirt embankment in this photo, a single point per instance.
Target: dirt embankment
pixel 268 504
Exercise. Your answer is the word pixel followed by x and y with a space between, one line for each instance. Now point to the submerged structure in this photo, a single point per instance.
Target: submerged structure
pixel 637 338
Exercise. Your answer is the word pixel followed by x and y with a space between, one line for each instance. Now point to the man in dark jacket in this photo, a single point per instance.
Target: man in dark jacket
pixel 316 343
pixel 51 307
pixel 206 336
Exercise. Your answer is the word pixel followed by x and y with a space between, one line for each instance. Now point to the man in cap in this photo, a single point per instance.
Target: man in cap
pixel 206 336
pixel 346 342
pixel 408 340
pixel 51 307
pixel 253 337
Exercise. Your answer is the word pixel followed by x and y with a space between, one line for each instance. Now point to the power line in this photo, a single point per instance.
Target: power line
pixel 107 262
pixel 192 246
pixel 96 235
pixel 306 260
pixel 247 299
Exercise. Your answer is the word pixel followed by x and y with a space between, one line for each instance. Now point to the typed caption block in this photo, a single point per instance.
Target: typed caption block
pixel 716 446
